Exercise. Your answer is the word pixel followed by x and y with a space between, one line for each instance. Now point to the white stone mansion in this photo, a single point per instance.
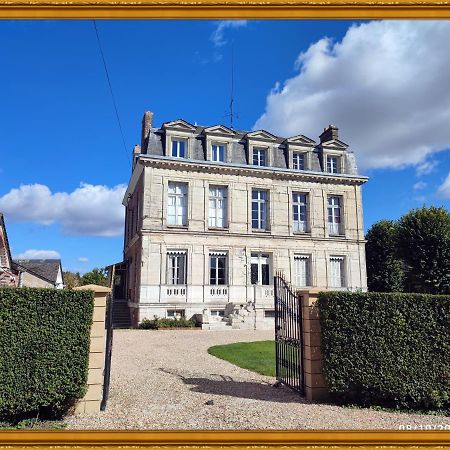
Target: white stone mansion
pixel 212 213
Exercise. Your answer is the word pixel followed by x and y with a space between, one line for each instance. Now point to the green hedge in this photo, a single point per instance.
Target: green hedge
pixel 44 350
pixel 387 349
pixel 157 323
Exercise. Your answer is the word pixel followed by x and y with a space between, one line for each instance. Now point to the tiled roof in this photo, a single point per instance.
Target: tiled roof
pixel 44 268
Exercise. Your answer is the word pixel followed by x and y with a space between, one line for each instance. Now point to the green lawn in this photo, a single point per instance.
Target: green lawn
pixel 256 356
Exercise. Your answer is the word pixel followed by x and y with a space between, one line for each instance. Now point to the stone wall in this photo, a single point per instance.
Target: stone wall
pixel 90 403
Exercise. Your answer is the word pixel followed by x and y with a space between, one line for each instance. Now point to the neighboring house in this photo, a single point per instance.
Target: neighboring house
pixel 212 213
pixel 8 274
pixel 43 273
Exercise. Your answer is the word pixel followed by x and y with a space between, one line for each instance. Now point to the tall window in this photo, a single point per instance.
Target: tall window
pixel 218 152
pixel 259 209
pixel 302 267
pixel 217 206
pixel 299 208
pixel 333 164
pixel 259 156
pixel 179 148
pixel 176 268
pixel 337 272
pixel 177 204
pixel 260 269
pixel 298 161
pixel 334 215
pixel 217 268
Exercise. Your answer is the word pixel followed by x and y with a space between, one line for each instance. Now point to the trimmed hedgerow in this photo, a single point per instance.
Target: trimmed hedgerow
pixel 44 350
pixel 157 323
pixel 387 349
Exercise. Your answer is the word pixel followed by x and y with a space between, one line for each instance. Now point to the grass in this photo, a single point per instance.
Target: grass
pixel 33 424
pixel 255 356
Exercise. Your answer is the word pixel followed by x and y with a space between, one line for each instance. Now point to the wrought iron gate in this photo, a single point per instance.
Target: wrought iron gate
pixel 288 336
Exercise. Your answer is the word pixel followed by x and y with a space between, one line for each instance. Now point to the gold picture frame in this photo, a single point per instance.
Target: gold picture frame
pixel 224 9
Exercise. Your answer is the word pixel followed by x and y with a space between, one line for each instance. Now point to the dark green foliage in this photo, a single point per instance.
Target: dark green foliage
pixel 44 350
pixel 157 323
pixel 384 267
pixel 95 276
pixel 387 349
pixel 424 245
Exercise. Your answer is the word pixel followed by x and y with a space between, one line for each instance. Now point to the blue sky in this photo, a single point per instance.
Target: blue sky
pixel 385 84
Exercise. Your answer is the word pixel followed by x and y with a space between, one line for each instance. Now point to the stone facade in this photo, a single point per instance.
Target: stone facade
pixel 184 267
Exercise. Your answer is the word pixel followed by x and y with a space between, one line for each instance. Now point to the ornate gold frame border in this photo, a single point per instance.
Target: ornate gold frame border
pixel 208 9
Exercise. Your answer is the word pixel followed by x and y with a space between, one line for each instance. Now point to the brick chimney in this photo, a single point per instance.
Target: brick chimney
pixel 329 133
pixel 146 127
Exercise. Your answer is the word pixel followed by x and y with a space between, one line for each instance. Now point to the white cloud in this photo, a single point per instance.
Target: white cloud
pixel 218 35
pixel 444 189
pixel 38 254
pixel 419 185
pixel 426 167
pixel 385 85
pixel 83 259
pixel 93 210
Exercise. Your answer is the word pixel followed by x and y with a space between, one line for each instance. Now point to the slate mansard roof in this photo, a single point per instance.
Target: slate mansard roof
pixel 154 141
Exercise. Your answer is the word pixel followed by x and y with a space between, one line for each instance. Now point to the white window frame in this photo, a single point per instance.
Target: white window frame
pixel 261 154
pixel 333 163
pixel 216 255
pixel 337 280
pixel 295 162
pixel 300 226
pixel 176 272
pixel 335 227
pixel 218 144
pixel 215 197
pixel 261 259
pixel 178 140
pixel 180 203
pixel 302 280
pixel 262 209
pixel 173 313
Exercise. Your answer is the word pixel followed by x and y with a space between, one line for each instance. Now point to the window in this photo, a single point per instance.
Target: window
pixel 217 268
pixel 302 267
pixel 299 209
pixel 334 215
pixel 333 164
pixel 217 206
pixel 217 313
pixel 298 161
pixel 259 209
pixel 179 147
pixel 218 152
pixel 177 204
pixel 269 314
pixel 176 268
pixel 259 269
pixel 176 313
pixel 337 274
pixel 259 156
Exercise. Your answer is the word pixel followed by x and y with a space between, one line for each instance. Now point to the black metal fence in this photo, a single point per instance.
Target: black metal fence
pixel 288 335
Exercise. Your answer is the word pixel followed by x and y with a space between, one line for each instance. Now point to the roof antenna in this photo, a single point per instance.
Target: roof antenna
pixel 232 86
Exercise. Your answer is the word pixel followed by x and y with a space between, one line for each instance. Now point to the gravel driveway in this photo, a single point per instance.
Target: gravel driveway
pixel 164 379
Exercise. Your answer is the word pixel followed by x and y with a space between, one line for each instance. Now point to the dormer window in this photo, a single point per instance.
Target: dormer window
pixel 179 147
pixel 333 163
pixel 259 156
pixel 298 161
pixel 218 152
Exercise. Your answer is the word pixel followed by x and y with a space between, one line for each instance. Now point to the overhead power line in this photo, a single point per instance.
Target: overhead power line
pixel 110 86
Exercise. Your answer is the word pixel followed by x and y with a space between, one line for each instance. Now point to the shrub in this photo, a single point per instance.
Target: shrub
pixel 158 323
pixel 389 349
pixel 44 341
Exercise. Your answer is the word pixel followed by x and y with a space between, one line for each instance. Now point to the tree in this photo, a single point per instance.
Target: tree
pixel 71 279
pixel 424 245
pixel 384 267
pixel 95 276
